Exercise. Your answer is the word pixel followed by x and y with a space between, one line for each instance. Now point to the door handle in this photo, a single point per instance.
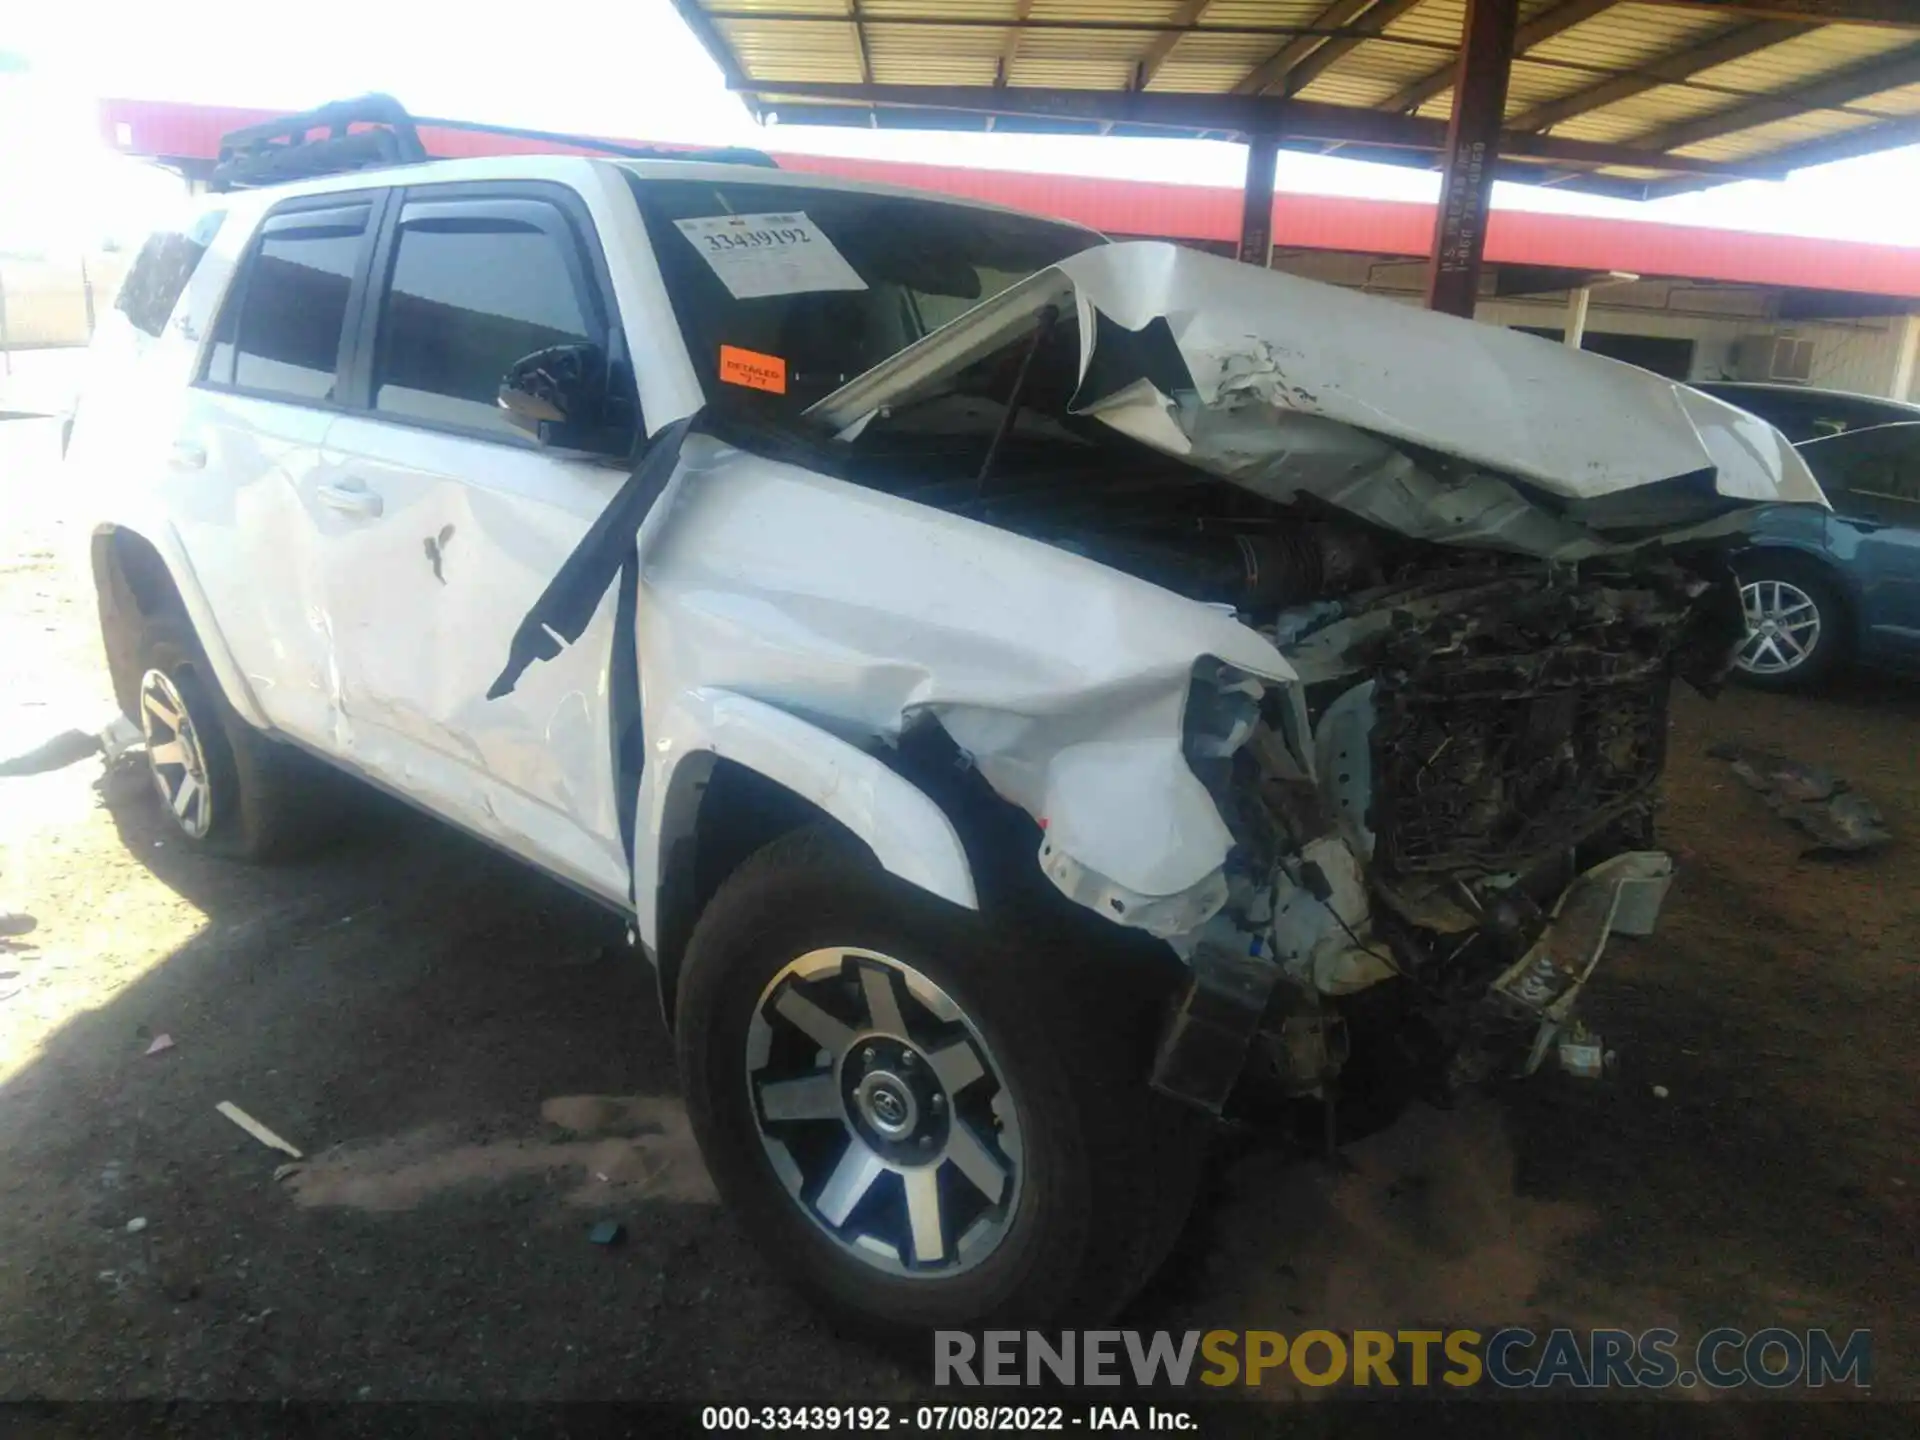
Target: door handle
pixel 351 500
pixel 186 455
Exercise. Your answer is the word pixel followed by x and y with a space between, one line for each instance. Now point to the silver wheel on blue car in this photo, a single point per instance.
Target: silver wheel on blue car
pixel 1796 621
pixel 882 1111
pixel 1783 627
pixel 175 756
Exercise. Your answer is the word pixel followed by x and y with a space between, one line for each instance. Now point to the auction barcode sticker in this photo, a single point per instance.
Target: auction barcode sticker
pixel 760 255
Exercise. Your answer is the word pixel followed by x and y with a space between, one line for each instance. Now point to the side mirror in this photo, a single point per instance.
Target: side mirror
pixel 559 396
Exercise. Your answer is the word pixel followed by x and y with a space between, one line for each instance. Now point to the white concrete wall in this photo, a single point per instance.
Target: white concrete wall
pixel 46 300
pixel 1860 355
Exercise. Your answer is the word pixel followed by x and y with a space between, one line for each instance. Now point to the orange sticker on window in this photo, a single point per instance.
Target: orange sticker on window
pixel 752 369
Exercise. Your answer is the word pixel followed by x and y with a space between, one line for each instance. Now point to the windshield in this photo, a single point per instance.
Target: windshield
pixel 785 293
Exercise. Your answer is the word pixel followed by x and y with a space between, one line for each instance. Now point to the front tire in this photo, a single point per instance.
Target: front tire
pixel 1796 623
pixel 926 1119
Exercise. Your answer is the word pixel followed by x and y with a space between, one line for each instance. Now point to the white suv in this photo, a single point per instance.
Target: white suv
pixel 1030 696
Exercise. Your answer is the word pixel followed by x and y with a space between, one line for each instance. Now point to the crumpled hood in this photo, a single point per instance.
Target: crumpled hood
pixel 1288 385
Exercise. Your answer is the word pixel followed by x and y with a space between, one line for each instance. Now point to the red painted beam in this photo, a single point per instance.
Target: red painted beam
pixel 1212 213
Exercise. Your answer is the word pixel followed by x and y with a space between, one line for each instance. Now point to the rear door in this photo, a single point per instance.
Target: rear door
pixel 1872 477
pixel 246 479
pixel 465 520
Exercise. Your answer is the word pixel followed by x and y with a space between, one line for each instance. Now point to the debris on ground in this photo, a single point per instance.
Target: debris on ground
pixel 118 737
pixel 13 924
pixel 607 1232
pixel 1811 799
pixel 1660 1092
pixel 55 754
pixel 1582 1055
pixel 160 1042
pixel 136 1225
pixel 281 1172
pixel 254 1128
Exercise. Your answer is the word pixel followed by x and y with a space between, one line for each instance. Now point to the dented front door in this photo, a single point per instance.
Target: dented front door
pixel 420 598
pixel 464 521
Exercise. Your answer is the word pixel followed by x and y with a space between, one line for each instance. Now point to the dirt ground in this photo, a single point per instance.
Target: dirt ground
pixel 478 1074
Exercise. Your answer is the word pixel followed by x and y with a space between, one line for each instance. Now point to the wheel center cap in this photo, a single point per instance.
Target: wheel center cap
pixel 886 1102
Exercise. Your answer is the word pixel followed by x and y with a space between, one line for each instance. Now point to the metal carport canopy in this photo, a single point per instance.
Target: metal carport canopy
pixel 1636 100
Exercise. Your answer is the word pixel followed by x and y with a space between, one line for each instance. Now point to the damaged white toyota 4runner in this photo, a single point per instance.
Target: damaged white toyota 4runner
pixel 1031 696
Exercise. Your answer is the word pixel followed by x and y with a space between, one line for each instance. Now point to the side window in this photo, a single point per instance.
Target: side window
pixel 1879 463
pixel 1893 472
pixel 476 285
pixel 161 271
pixel 280 332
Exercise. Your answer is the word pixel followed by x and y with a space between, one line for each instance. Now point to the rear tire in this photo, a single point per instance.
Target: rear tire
pixel 1807 639
pixel 1089 1174
pixel 226 788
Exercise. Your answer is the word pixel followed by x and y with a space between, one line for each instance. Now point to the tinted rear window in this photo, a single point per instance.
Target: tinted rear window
pixel 282 337
pixel 161 271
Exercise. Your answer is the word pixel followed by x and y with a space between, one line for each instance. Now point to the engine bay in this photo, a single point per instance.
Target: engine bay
pixel 1474 730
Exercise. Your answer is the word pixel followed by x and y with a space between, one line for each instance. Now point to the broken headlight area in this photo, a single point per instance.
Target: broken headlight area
pixel 1439 828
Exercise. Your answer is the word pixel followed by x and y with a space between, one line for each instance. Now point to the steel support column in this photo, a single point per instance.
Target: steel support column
pixel 1576 327
pixel 1906 341
pixel 1256 210
pixel 1473 146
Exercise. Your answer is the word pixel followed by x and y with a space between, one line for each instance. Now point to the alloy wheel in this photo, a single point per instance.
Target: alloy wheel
pixel 1783 627
pixel 174 756
pixel 884 1113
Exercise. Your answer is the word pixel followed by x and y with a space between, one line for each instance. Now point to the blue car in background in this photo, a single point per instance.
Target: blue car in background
pixel 1824 588
pixel 1801 412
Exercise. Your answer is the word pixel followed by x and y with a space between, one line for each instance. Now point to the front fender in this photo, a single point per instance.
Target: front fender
pixel 909 834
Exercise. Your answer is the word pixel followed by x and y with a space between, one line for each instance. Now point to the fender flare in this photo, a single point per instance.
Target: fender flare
pixel 199 614
pixel 1821 557
pixel 910 835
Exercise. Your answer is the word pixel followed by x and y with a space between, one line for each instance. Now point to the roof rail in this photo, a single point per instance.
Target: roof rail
pixel 275 151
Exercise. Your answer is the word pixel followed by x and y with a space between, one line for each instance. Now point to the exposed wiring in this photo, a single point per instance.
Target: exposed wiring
pixel 1361 945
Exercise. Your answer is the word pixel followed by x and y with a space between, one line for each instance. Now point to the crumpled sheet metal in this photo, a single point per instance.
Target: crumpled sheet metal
pixel 1286 386
pixel 1620 896
pixel 1065 681
pixel 1810 798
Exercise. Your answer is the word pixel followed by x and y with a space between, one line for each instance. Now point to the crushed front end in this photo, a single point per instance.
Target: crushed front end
pixel 1438 829
pixel 1478 563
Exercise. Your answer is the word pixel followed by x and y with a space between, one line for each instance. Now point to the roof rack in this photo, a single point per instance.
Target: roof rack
pixel 276 151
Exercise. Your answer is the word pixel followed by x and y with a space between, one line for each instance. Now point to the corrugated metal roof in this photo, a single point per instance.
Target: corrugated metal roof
pixel 1727 82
